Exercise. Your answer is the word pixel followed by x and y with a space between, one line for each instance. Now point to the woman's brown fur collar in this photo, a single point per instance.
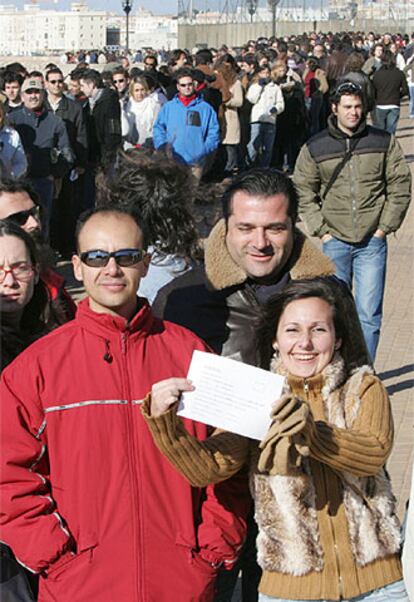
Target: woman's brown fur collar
pixel 306 261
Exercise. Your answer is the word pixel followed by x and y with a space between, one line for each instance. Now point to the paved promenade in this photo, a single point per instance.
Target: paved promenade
pixel 395 359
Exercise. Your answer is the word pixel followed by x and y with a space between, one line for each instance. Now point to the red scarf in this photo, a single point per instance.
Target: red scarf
pixel 187 99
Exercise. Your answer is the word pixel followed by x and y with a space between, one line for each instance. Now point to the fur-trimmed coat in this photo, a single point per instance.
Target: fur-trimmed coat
pixel 220 304
pixel 327 530
pixel 340 502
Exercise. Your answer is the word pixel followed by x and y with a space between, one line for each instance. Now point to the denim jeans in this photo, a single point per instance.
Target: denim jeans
pixel 411 88
pixel 262 137
pixel 364 265
pixel 394 592
pixel 386 119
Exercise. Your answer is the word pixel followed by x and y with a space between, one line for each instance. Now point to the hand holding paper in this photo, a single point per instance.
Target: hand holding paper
pixel 230 395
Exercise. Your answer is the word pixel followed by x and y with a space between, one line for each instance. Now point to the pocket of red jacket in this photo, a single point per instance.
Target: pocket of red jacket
pixel 69 559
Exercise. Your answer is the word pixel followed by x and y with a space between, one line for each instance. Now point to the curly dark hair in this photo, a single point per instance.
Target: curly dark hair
pixel 162 191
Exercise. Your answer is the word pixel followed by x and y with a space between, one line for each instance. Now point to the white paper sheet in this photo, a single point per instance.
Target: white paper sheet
pixel 230 395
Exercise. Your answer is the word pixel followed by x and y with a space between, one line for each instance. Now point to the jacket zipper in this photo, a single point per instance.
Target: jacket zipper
pixel 136 513
pixel 352 185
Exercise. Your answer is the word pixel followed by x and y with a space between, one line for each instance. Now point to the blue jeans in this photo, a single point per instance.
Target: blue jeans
pixel 393 592
pixel 386 119
pixel 411 88
pixel 262 137
pixel 363 264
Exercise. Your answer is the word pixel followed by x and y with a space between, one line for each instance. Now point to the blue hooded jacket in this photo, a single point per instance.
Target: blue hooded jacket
pixel 193 132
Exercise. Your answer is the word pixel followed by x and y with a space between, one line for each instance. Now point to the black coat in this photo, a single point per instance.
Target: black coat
pixel 103 124
pixel 72 115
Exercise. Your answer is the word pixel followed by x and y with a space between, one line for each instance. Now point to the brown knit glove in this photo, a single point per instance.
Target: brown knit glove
pixel 286 441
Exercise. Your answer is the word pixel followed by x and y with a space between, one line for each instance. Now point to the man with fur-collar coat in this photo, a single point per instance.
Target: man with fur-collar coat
pixel 250 255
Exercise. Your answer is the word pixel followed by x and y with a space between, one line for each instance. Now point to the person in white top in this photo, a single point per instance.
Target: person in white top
pixel 138 114
pixel 267 100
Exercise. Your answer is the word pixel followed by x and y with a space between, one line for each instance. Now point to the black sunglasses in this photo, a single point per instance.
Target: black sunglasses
pixel 21 217
pixel 124 257
pixel 56 81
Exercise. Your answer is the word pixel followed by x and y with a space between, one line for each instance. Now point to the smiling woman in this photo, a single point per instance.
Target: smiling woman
pixel 323 501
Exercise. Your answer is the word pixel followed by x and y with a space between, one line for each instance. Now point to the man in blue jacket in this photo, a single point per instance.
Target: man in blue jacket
pixel 45 142
pixel 188 125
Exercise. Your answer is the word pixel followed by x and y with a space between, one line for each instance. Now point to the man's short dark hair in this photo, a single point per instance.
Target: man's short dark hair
pixel 121 71
pixel 92 76
pixel 54 70
pixel 153 58
pixel 346 88
pixel 183 72
pixel 16 68
pixel 262 182
pixel 77 74
pixel 10 77
pixel 107 209
pixel 12 186
pixel 203 57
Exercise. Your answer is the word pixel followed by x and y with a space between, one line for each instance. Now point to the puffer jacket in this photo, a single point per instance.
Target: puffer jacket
pixel 87 499
pixel 192 131
pixel 372 191
pixel 267 101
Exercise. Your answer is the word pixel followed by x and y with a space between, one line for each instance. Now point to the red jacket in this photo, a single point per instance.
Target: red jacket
pixel 81 472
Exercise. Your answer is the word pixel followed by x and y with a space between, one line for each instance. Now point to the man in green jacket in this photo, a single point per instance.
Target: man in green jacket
pixel 354 188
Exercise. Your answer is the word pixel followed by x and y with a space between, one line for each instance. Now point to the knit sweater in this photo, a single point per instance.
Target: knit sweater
pixel 335 454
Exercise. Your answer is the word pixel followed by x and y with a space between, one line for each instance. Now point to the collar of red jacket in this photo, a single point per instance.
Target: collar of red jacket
pixel 186 100
pixel 108 325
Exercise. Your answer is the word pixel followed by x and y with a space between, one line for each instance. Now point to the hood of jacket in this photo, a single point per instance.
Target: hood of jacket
pixel 306 260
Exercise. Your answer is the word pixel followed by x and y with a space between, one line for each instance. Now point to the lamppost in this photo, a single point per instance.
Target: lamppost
pixel 252 8
pixel 127 7
pixel 273 4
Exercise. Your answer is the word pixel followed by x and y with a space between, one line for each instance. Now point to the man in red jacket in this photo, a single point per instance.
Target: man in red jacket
pixel 87 499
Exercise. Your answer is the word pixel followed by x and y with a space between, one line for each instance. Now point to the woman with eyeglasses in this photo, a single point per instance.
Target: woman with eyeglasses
pixel 23 300
pixel 323 500
pixel 13 162
pixel 23 296
pixel 138 114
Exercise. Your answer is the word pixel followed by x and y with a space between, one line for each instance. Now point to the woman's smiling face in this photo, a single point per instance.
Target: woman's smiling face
pixel 306 338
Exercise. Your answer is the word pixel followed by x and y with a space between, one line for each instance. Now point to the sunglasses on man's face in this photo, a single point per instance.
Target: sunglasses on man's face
pixel 119 81
pixel 21 217
pixel 125 258
pixel 56 81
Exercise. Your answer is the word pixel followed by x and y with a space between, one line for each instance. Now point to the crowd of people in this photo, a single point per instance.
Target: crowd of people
pixel 106 494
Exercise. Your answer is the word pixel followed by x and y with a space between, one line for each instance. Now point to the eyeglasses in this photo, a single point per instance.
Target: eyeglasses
pixel 21 271
pixel 119 81
pixel 348 87
pixel 186 85
pixel 21 217
pixel 56 81
pixel 125 258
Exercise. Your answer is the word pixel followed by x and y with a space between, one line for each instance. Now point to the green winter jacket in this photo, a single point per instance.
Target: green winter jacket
pixel 372 191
